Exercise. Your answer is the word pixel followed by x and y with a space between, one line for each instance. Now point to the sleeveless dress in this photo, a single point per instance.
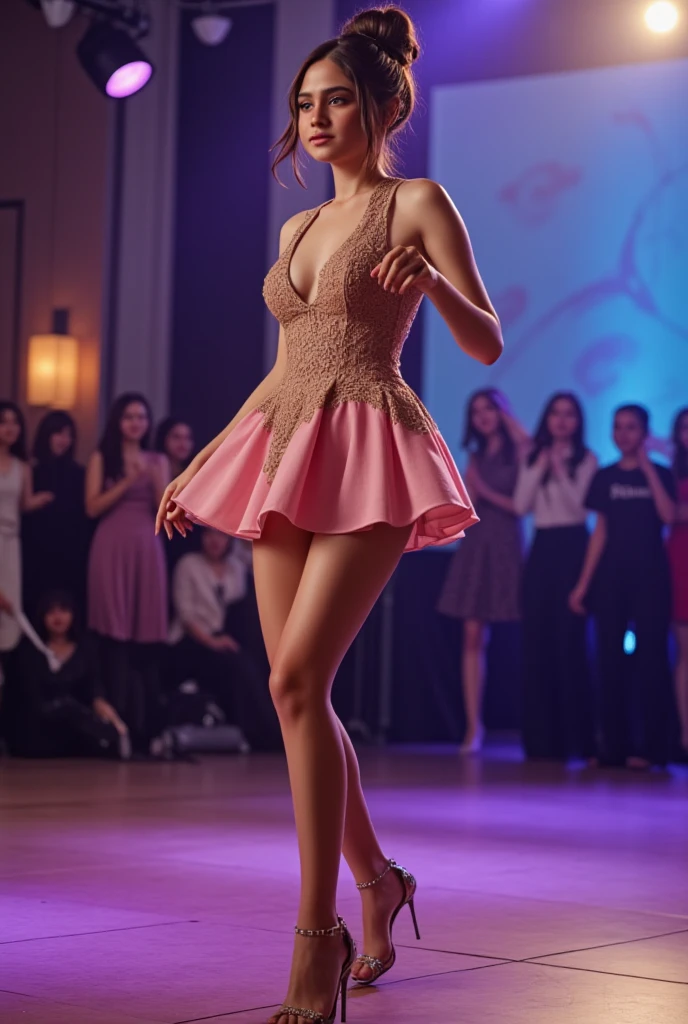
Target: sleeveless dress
pixel 678 560
pixel 342 442
pixel 11 484
pixel 484 577
pixel 127 575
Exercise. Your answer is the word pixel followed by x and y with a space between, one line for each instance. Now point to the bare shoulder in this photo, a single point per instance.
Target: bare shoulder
pixel 290 227
pixel 422 194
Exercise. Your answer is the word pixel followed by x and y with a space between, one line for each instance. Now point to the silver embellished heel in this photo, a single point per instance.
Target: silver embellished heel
pixel 295 1011
pixel 379 967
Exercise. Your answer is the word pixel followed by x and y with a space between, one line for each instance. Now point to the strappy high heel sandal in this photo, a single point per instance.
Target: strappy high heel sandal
pixel 295 1011
pixel 379 967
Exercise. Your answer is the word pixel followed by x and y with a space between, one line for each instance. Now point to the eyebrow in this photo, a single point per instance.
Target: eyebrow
pixel 333 88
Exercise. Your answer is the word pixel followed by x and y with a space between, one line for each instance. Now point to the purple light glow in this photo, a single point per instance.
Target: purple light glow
pixel 129 79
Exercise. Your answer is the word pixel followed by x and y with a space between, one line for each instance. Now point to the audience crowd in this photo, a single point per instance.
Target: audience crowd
pixel 108 636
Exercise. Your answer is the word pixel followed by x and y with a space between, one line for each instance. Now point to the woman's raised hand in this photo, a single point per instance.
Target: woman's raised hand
pixel 402 267
pixel 170 515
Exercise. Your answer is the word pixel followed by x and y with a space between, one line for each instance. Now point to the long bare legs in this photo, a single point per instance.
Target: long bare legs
pixel 340 579
pixel 473 677
pixel 681 678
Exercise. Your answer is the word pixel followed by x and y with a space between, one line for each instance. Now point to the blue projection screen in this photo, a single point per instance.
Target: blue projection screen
pixel 574 188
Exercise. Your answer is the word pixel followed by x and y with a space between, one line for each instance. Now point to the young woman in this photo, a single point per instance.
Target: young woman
pixel 553 484
pixel 63 712
pixel 334 467
pixel 174 438
pixel 55 540
pixel 678 560
pixel 127 580
pixel 16 496
pixel 483 584
pixel 634 500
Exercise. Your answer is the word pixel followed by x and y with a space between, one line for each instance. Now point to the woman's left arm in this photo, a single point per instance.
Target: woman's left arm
pixel 160 475
pixel 442 266
pixel 573 491
pixel 31 501
pixel 664 503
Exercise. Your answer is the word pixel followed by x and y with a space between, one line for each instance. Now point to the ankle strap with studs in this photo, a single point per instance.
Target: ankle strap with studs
pixel 366 885
pixel 313 933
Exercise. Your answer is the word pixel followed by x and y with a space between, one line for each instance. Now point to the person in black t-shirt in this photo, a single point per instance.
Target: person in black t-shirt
pixel 627 565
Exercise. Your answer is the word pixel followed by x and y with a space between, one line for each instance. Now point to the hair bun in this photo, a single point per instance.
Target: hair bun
pixel 390 29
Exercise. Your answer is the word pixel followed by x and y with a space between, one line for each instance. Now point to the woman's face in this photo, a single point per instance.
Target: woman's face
pixel 562 421
pixel 134 422
pixel 179 443
pixel 10 428
pixel 629 433
pixel 58 621
pixel 330 128
pixel 60 442
pixel 485 416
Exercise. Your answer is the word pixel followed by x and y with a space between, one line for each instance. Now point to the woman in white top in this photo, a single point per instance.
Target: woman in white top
pixel 553 484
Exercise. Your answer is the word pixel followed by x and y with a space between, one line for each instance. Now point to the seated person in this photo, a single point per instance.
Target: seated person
pixel 57 706
pixel 212 600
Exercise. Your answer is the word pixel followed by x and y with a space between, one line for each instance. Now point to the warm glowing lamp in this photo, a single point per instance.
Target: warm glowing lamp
pixel 54 365
pixel 661 16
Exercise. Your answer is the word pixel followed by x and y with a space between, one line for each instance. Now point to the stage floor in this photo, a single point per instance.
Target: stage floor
pixel 166 893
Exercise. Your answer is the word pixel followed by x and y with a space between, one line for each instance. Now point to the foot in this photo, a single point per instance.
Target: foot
pixel 316 969
pixel 379 903
pixel 473 741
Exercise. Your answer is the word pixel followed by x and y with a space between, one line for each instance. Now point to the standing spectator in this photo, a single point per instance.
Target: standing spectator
pixel 16 496
pixel 55 539
pixel 211 594
pixel 483 582
pixel 61 710
pixel 627 564
pixel 174 438
pixel 127 583
pixel 678 560
pixel 557 687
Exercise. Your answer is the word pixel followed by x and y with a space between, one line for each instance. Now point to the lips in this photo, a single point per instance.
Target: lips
pixel 316 139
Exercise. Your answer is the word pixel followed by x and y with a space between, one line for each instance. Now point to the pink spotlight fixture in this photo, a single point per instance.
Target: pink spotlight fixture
pixel 129 79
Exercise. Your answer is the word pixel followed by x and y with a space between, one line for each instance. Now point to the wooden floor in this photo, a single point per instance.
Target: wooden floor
pixel 167 892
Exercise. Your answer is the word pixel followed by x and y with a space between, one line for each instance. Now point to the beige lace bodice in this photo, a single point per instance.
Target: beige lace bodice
pixel 344 346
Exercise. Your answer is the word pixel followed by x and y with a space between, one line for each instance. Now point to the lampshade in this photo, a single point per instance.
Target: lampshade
pixel 53 369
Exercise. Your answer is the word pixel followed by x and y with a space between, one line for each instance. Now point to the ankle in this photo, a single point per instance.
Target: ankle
pixel 373 874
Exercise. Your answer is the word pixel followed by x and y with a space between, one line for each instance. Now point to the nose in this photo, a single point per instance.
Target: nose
pixel 319 115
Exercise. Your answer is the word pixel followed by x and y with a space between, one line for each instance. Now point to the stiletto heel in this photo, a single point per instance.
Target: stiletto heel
pixel 319 1018
pixel 413 915
pixel 379 967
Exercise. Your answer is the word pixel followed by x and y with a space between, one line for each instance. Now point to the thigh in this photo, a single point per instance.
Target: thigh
pixel 343 576
pixel 279 558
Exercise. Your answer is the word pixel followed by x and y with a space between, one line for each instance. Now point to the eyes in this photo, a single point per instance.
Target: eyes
pixel 306 105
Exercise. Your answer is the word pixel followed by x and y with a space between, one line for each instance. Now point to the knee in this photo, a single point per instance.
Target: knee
pixel 294 691
pixel 473 637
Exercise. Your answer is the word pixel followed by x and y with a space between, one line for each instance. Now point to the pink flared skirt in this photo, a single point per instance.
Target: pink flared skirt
pixel 344 470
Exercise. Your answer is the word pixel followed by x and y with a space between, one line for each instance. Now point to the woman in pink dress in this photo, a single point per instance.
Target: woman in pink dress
pixel 334 468
pixel 678 560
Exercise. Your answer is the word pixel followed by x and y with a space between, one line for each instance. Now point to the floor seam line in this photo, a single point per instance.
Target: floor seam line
pixel 606 945
pixel 609 974
pixel 100 931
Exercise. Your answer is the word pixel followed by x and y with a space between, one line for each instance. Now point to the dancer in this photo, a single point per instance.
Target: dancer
pixel 678 560
pixel 334 467
pixel 557 687
pixel 483 582
pixel 634 499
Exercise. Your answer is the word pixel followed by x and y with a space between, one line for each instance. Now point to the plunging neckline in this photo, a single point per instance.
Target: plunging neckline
pixel 300 232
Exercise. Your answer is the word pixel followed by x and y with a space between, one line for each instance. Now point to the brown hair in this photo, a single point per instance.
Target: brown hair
pixel 375 50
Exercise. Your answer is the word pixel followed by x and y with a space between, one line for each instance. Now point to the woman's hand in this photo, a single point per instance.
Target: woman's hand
pixel 170 515
pixel 402 267
pixel 107 713
pixel 41 499
pixel 577 600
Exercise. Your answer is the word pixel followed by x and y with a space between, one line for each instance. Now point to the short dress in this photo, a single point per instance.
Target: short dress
pixel 678 560
pixel 483 580
pixel 342 442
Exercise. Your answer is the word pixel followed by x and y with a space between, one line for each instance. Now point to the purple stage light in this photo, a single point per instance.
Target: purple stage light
pixel 129 79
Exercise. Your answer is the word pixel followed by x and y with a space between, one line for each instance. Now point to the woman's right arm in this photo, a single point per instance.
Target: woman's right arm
pixel 596 546
pixel 97 500
pixel 529 479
